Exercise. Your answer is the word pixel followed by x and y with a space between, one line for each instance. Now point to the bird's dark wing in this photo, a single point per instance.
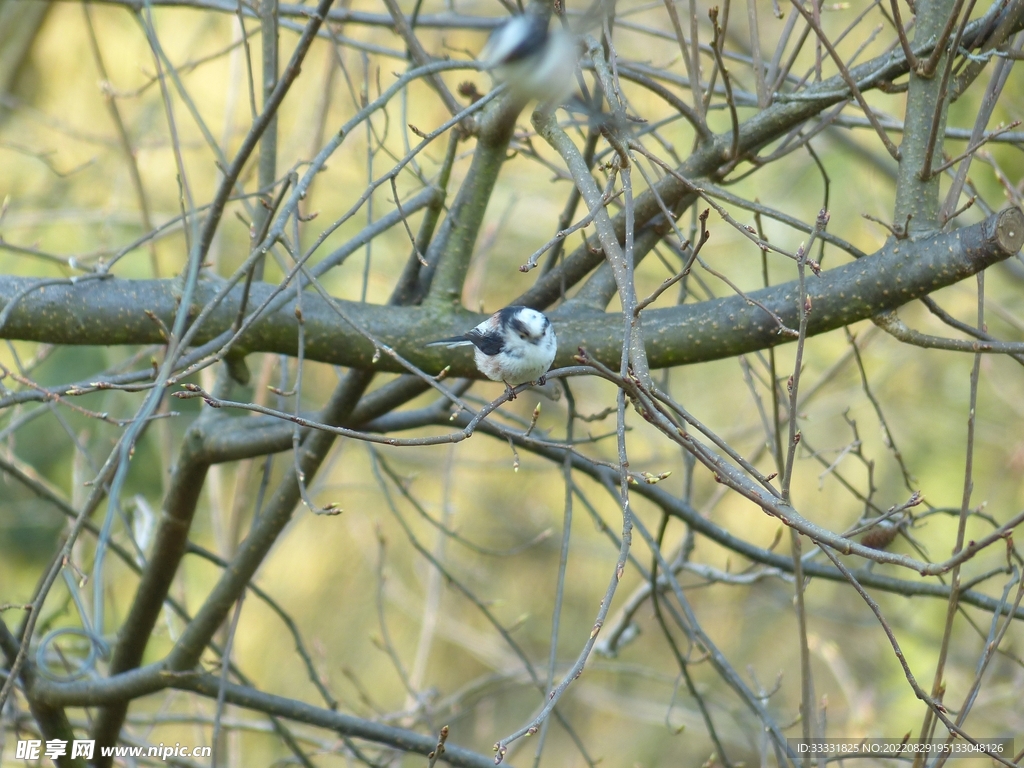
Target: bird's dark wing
pixel 490 343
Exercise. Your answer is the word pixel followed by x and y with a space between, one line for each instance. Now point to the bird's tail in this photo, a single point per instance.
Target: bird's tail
pixel 454 341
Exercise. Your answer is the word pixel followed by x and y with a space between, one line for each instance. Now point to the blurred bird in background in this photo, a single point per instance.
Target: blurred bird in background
pixel 532 61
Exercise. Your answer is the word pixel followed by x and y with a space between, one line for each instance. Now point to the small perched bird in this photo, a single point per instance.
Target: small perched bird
pixel 533 62
pixel 514 345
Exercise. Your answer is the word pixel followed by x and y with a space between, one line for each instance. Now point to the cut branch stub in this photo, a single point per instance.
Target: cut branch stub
pixel 1005 229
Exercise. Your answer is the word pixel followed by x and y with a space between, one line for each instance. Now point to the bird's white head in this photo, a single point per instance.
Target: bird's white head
pixel 528 324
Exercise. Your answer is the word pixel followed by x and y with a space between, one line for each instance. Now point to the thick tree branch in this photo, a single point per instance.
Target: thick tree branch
pixel 109 312
pixel 171 543
pixel 917 189
pixel 51 718
pixel 153 678
pixel 452 249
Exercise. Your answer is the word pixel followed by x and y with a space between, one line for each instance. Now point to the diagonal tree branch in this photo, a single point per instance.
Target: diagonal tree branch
pixel 154 678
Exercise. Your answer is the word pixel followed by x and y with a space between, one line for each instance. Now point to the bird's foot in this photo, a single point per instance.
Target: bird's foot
pixel 541 381
pixel 510 391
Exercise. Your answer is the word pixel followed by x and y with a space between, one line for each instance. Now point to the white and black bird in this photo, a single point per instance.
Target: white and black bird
pixel 514 345
pixel 533 62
